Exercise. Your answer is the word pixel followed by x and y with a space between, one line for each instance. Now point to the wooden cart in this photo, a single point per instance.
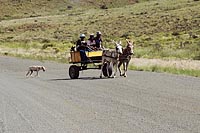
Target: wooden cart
pixel 94 63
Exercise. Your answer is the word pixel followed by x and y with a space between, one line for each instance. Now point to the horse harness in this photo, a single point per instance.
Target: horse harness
pixel 110 54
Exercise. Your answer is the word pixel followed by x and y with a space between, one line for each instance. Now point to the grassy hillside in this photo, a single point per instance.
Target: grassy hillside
pixel 32 8
pixel 160 28
pixel 29 8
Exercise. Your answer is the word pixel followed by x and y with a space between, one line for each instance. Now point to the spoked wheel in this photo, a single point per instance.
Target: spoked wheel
pixel 74 72
pixel 105 73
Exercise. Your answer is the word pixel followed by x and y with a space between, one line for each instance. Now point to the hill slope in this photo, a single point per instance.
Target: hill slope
pixel 31 8
pixel 160 28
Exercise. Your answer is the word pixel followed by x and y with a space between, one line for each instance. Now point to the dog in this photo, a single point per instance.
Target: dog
pixel 36 69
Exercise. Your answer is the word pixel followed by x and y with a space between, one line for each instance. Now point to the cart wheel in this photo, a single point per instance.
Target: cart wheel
pixel 74 72
pixel 105 70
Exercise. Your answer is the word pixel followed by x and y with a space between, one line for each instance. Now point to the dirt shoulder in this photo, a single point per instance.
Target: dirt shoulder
pixel 176 63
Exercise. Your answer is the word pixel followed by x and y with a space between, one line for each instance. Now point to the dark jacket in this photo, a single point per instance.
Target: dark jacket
pixel 98 42
pixel 81 45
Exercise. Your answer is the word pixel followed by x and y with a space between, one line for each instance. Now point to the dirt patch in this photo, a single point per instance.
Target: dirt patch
pixel 183 64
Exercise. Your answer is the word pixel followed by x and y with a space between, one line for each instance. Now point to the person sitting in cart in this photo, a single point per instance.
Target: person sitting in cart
pixel 91 42
pixel 81 45
pixel 98 41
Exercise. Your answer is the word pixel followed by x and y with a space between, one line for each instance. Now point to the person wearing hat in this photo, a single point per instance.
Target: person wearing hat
pixel 98 40
pixel 91 41
pixel 81 45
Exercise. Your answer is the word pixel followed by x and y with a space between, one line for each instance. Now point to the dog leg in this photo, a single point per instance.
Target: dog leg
pixel 27 73
pixel 36 73
pixel 31 72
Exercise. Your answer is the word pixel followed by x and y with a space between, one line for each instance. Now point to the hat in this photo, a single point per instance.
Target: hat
pixel 82 35
pixel 92 34
pixel 98 32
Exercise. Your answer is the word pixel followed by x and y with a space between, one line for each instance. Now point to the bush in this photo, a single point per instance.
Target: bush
pixel 47 45
pixel 196 57
pixel 103 7
pixel 69 7
pixel 45 41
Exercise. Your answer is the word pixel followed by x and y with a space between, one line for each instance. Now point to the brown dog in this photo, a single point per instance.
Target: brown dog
pixel 36 69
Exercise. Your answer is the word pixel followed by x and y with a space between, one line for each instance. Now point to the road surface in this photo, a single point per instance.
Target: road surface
pixel 143 102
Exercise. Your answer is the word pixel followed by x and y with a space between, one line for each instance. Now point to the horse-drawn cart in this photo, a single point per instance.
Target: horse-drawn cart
pixel 95 62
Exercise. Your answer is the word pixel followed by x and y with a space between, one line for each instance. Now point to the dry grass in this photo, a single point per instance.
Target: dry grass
pixel 173 63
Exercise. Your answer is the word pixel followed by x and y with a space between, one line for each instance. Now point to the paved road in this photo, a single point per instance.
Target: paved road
pixel 141 103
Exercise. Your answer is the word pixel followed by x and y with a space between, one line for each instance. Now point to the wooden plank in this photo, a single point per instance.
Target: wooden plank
pixel 75 56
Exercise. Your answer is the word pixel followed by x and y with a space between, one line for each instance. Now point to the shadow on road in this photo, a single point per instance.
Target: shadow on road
pixel 82 78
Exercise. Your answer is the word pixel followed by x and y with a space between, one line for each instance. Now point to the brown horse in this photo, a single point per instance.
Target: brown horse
pixel 125 57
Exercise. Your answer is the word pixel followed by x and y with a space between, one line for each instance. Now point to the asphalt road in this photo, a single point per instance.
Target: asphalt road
pixel 52 103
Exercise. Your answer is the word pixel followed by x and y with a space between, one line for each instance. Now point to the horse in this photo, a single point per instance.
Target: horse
pixel 111 57
pixel 125 57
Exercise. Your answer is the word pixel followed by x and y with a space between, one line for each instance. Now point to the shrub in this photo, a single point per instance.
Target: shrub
pixel 47 45
pixel 103 7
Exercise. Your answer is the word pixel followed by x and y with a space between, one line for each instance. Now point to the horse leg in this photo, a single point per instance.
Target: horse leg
pixel 123 64
pixel 102 68
pixel 119 65
pixel 126 68
pixel 101 71
pixel 115 68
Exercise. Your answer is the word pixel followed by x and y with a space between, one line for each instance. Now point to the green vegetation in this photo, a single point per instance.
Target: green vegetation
pixel 56 51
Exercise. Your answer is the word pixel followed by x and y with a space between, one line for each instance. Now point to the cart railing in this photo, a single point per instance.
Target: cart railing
pixel 95 56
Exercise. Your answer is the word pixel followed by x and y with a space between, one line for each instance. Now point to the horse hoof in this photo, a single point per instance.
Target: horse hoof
pixel 122 74
pixel 125 75
pixel 101 77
